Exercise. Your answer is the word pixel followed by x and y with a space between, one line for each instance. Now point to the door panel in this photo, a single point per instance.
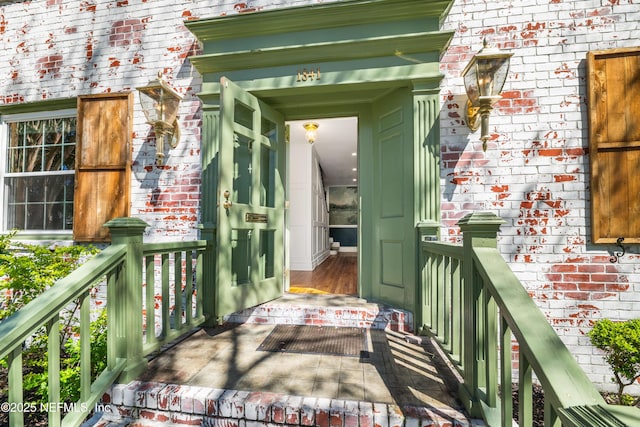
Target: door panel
pixel 250 244
pixel 393 243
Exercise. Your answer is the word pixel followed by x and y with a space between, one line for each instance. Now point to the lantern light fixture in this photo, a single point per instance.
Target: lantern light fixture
pixel 484 79
pixel 160 103
pixel 311 133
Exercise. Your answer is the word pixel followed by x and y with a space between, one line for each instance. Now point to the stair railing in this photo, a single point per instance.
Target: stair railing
pixel 479 314
pixel 155 293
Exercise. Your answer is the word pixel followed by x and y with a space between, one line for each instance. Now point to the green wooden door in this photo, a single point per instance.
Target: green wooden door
pixel 392 240
pixel 250 242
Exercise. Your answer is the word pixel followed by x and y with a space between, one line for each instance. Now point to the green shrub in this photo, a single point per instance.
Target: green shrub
pixel 25 272
pixel 621 343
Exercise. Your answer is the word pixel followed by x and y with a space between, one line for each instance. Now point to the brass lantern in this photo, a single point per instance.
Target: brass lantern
pixel 160 103
pixel 484 78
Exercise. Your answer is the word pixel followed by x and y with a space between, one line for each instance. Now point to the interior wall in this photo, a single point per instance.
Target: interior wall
pixel 308 215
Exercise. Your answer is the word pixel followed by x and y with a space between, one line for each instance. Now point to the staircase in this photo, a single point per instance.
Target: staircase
pixel 163 398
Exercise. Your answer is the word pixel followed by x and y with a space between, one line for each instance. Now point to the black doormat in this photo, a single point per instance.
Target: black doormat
pixel 315 340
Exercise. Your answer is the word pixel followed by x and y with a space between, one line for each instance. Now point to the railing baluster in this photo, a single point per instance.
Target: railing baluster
pixel 16 397
pixel 550 417
pixel 525 391
pixel 505 373
pixel 457 307
pixel 446 304
pixel 438 299
pixel 491 353
pixel 85 346
pixel 200 284
pixel 177 282
pixel 166 314
pixel 150 298
pixel 53 370
pixel 188 306
pixel 112 333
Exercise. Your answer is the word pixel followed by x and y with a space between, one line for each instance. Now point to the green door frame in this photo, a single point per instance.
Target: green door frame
pixel 358 51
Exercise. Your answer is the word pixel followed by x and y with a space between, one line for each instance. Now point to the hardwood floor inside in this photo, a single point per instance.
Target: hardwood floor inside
pixel 338 274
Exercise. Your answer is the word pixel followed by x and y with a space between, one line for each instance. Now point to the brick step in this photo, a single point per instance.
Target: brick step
pixel 146 404
pixel 318 310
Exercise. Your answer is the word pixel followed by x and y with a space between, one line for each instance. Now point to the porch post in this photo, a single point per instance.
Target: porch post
pixel 479 229
pixel 426 131
pixel 209 203
pixel 126 302
pixel 426 143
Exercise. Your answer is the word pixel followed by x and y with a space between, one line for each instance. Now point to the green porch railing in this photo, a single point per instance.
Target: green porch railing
pixel 176 269
pixel 476 309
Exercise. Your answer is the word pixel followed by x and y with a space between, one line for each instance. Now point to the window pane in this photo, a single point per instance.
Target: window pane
pixel 40 203
pixel 69 145
pixel 42 145
pixel 243 115
pixel 267 252
pixel 268 176
pixel 242 169
pixel 32 140
pixel 15 162
pixel 36 199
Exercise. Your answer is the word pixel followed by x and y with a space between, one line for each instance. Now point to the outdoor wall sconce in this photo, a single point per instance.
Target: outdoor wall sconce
pixel 160 105
pixel 311 131
pixel 484 78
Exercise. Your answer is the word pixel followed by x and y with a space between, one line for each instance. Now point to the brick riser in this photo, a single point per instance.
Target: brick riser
pixel 143 404
pixel 373 317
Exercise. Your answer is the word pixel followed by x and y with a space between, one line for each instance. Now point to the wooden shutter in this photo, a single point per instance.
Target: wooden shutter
pixel 613 78
pixel 103 171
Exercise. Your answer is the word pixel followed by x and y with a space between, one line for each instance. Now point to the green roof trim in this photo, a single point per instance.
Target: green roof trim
pixel 331 51
pixel 316 17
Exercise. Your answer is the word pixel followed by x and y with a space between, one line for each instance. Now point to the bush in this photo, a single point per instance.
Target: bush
pixel 25 272
pixel 621 343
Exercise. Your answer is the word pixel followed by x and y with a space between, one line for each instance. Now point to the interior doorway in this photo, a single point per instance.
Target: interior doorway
pixel 323 214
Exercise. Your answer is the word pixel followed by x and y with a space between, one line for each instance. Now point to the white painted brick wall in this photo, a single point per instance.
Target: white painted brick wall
pixel 534 173
pixel 549 41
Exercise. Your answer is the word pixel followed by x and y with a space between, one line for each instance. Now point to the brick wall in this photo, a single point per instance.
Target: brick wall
pixel 535 172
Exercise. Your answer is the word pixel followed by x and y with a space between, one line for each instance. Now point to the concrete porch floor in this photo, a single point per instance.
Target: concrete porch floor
pixel 398 368
pixel 396 371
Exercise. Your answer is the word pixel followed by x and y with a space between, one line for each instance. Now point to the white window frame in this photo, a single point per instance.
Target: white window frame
pixel 4 137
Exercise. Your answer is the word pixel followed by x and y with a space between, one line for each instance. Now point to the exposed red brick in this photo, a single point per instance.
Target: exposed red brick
pixel 617 287
pixel 562 286
pixel 550 152
pixel 49 65
pixel 564 178
pixel 87 6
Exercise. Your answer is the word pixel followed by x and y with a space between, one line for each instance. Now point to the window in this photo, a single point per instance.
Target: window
pixel 613 78
pixel 67 171
pixel 39 172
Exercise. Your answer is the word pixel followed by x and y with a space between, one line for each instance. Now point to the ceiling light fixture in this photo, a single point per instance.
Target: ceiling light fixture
pixel 311 131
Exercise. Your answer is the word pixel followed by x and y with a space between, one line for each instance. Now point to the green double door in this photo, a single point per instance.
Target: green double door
pixel 387 186
pixel 251 201
pixel 250 209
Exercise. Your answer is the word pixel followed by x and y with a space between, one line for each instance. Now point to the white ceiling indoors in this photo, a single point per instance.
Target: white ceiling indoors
pixel 336 146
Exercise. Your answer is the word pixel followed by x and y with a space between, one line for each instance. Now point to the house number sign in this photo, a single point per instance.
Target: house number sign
pixel 307 74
